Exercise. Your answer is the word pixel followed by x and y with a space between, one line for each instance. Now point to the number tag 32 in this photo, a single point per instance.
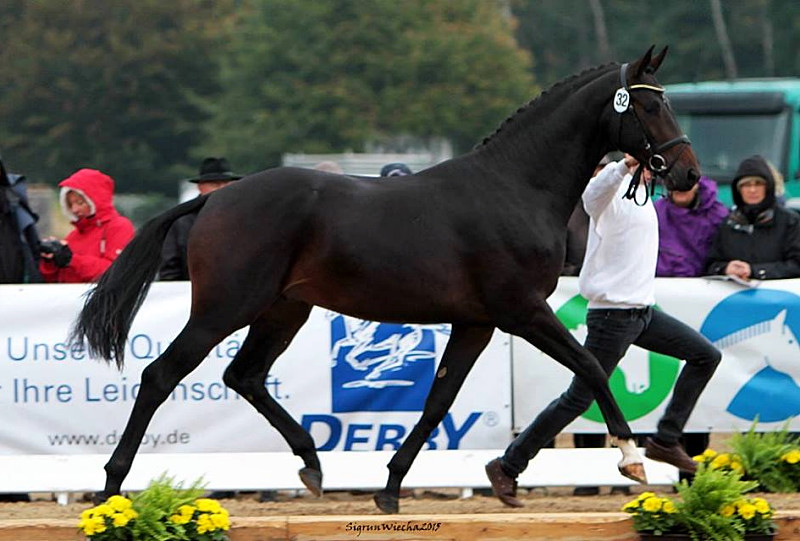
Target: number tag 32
pixel 622 100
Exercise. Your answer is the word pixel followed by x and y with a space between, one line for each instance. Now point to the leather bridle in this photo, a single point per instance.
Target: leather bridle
pixel 656 162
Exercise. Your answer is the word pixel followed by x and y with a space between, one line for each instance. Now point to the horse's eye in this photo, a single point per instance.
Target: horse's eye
pixel 652 107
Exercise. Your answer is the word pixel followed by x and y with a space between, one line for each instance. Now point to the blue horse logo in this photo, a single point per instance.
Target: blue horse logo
pixel 380 366
pixel 761 325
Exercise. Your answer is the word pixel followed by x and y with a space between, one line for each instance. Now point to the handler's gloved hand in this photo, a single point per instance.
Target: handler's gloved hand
pixel 62 256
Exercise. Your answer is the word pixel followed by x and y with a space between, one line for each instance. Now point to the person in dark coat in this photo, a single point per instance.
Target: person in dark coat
pixel 19 240
pixel 215 173
pixel 760 239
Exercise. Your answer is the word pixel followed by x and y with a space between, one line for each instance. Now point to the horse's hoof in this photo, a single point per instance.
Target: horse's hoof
pixel 634 472
pixel 99 497
pixel 387 502
pixel 312 479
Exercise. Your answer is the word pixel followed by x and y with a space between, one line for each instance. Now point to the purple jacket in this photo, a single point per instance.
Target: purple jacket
pixel 685 234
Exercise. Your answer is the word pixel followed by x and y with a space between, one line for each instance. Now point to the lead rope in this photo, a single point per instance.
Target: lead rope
pixel 649 187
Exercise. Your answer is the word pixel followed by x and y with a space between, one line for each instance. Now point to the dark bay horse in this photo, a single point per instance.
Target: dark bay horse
pixel 476 241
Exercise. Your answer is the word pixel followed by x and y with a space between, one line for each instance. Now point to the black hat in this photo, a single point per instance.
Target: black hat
pixel 395 170
pixel 215 169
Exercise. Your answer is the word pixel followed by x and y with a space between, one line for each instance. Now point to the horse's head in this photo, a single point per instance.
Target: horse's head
pixel 645 126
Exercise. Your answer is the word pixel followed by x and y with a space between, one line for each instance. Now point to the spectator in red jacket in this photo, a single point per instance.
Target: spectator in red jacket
pixel 99 235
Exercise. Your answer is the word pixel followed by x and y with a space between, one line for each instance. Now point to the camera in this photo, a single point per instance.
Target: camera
pixel 50 246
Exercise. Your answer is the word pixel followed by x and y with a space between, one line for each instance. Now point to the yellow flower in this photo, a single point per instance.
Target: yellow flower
pixel 103 510
pixel 187 510
pixel 669 507
pixel 94 525
pixel 130 513
pixel 204 524
pixel 221 520
pixel 180 519
pixel 184 514
pixel 761 505
pixel 727 510
pixel 699 458
pixel 747 511
pixel 644 495
pixel 83 524
pixel 120 519
pixel 118 503
pixel 208 505
pixel 633 504
pixel 737 467
pixel 792 457
pixel 720 461
pixel 709 453
pixel 652 505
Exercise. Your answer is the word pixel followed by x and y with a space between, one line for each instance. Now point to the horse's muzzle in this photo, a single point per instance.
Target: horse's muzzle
pixel 684 173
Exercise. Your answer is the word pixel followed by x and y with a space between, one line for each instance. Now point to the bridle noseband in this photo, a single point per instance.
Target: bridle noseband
pixel 656 162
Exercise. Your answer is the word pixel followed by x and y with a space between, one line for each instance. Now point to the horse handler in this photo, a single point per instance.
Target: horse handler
pixel 618 279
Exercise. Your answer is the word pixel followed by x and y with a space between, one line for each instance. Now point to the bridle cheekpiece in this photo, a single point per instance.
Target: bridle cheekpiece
pixel 656 162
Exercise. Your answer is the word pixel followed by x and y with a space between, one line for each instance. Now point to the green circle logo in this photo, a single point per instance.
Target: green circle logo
pixel 663 372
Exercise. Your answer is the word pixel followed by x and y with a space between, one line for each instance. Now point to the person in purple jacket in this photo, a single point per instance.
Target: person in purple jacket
pixel 687 225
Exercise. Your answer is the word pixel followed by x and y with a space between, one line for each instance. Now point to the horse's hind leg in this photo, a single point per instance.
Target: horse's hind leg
pixel 541 327
pixel 159 379
pixel 463 348
pixel 268 337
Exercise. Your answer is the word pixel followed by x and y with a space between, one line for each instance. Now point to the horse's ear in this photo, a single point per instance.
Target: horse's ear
pixel 643 63
pixel 656 62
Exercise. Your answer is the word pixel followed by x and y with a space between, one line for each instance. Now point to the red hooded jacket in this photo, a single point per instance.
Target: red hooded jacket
pixel 97 240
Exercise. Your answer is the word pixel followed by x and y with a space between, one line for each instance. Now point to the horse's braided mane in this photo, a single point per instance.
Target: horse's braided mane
pixel 545 93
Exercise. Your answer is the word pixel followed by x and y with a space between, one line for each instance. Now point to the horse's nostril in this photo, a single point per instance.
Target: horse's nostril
pixel 693 176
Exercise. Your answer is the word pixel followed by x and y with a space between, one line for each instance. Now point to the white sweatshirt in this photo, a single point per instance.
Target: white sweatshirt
pixel 619 268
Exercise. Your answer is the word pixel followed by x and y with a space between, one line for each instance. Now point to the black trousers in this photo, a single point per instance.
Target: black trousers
pixel 610 333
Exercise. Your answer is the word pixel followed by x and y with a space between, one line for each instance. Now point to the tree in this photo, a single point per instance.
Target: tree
pixel 110 85
pixel 721 30
pixel 763 36
pixel 333 76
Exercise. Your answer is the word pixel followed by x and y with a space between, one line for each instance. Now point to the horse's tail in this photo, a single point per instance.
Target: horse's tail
pixel 112 304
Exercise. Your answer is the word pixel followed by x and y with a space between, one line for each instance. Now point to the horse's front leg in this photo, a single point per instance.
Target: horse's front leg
pixel 542 329
pixel 463 348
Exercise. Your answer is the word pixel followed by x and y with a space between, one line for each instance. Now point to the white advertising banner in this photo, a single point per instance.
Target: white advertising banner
pixel 756 330
pixel 355 385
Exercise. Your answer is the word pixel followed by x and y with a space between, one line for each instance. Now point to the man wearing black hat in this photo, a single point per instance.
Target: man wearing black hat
pixel 395 170
pixel 215 173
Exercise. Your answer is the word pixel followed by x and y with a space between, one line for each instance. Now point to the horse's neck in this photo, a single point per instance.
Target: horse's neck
pixel 557 141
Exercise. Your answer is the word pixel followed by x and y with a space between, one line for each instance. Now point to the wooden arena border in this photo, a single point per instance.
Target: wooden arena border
pixel 488 527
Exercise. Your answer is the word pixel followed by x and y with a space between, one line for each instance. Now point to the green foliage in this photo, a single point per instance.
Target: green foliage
pixel 712 507
pixel 766 458
pixel 156 504
pixel 699 512
pixel 164 511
